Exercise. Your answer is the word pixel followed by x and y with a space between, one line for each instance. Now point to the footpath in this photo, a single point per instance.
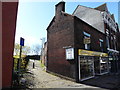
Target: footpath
pixel 38 78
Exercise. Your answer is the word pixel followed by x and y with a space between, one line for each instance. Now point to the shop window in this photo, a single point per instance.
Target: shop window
pixel 87 40
pixel 103 65
pixel 86 66
pixel 101 44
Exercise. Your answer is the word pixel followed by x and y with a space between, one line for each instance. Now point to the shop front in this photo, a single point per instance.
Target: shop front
pixel 92 63
pixel 101 65
pixel 113 60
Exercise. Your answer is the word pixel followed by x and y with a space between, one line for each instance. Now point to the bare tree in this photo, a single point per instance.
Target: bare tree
pixel 36 49
pixel 17 49
pixel 25 49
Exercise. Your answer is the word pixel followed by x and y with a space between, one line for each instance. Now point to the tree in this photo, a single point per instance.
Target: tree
pixel 17 49
pixel 25 49
pixel 36 49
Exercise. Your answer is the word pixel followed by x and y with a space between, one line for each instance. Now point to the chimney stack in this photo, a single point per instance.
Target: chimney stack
pixel 59 7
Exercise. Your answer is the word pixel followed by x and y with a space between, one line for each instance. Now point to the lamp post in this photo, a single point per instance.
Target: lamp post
pixel 43 41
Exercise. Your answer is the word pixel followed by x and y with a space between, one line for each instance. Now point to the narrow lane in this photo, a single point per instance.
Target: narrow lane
pixel 38 78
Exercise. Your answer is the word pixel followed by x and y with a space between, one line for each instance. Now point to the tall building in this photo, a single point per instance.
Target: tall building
pixel 78 46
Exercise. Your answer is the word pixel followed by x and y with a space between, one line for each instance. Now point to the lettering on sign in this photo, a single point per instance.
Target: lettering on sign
pixel 70 53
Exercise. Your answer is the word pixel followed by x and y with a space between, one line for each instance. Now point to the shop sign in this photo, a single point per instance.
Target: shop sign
pixel 91 53
pixel 110 58
pixel 86 40
pixel 70 53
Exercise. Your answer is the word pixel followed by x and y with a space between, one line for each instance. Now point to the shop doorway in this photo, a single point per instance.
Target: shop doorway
pixel 101 65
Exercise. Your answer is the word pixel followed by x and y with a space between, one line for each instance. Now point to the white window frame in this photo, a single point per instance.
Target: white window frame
pixel 86 35
pixel 101 40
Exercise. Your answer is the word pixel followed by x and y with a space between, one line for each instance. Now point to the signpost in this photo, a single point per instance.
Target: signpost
pixel 19 62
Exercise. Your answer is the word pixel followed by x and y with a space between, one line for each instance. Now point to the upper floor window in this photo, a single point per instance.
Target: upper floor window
pixel 107 38
pixel 87 40
pixel 101 44
pixel 114 42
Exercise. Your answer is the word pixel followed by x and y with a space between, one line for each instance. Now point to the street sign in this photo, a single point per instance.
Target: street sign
pixel 19 62
pixel 21 41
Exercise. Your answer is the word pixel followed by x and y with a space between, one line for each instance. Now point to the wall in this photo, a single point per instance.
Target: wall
pixel 118 40
pixel 80 27
pixel 60 34
pixel 0 45
pixel 9 15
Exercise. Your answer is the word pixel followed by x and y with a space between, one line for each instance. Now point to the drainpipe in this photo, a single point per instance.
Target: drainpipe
pixel 76 65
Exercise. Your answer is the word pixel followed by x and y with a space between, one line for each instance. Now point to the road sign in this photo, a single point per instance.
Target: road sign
pixel 22 41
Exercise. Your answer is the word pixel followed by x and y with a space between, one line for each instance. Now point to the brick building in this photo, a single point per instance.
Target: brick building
pixel 44 55
pixel 9 17
pixel 105 22
pixel 76 48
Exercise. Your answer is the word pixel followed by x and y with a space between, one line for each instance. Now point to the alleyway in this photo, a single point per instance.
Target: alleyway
pixel 38 78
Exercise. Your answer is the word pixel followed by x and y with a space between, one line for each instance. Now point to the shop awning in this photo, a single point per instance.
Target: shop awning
pixel 91 53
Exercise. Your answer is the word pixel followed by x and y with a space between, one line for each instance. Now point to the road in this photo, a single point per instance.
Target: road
pixel 38 78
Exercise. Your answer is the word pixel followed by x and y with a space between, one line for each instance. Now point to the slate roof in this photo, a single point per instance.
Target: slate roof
pixel 102 7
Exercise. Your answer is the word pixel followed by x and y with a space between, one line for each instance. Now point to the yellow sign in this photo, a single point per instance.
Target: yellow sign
pixel 91 53
pixel 86 40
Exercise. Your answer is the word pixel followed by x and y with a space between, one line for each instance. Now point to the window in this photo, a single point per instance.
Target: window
pixel 87 40
pixel 101 44
pixel 113 42
pixel 86 65
pixel 114 37
pixel 107 39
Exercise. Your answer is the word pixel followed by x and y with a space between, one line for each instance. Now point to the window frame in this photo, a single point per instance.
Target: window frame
pixel 87 35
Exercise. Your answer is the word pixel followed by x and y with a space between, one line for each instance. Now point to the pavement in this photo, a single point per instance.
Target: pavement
pixel 108 81
pixel 38 78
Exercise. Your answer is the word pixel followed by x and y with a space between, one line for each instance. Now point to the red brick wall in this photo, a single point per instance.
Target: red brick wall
pixel 80 27
pixel 9 16
pixel 61 34
pixel 118 41
pixel 67 30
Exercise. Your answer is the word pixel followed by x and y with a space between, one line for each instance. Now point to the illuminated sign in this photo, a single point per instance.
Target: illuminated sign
pixel 70 53
pixel 91 53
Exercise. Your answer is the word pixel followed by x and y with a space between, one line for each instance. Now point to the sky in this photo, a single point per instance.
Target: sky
pixel 34 17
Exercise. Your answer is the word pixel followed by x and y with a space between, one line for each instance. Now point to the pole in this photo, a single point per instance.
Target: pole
pixel 19 63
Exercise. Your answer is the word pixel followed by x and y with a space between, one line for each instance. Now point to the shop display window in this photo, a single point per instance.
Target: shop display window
pixel 86 67
pixel 104 65
pixel 101 65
